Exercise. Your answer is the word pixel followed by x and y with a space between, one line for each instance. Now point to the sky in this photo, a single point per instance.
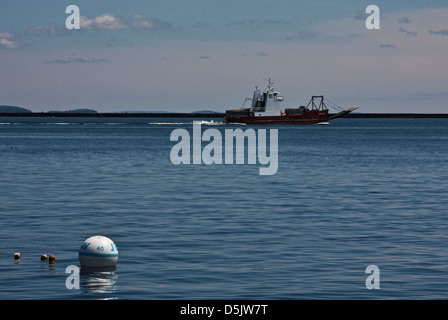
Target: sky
pixel 190 55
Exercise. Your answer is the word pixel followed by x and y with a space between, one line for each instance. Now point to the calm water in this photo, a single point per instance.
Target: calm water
pixel 354 193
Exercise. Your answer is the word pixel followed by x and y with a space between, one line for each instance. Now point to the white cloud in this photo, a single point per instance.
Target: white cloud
pixel 7 41
pixel 141 22
pixel 51 30
pixel 426 25
pixel 108 21
pixel 77 60
pixel 258 23
pixel 105 21
pixel 6 35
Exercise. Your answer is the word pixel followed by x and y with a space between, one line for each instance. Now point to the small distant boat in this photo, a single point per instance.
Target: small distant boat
pixel 266 109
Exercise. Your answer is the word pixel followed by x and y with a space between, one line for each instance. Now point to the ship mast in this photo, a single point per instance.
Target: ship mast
pixel 270 84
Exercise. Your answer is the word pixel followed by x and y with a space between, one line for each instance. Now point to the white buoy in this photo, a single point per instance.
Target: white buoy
pixel 98 251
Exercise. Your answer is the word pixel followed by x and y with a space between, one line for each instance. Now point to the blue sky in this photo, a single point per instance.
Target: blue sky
pixel 179 55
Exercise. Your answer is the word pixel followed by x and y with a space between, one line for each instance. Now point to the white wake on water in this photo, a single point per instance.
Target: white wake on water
pixel 202 122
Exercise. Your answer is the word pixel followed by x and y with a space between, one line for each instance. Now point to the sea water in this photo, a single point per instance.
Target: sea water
pixel 348 195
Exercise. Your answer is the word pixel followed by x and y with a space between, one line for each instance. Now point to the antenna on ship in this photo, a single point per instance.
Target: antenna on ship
pixel 270 84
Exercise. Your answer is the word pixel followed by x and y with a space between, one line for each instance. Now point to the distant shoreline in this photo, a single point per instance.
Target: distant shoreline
pixel 203 115
pixel 113 115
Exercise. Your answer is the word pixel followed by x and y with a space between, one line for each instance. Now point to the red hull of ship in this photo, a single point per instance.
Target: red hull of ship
pixel 310 117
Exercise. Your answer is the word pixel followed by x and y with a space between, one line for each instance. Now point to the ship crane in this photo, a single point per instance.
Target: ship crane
pixel 245 100
pixel 321 106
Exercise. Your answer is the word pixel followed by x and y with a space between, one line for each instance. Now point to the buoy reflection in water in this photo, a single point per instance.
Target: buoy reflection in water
pixel 98 280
